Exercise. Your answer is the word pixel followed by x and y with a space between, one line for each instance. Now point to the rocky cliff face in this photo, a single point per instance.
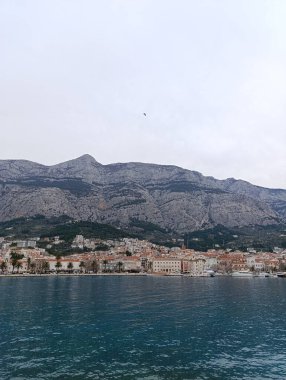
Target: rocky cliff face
pixel 168 196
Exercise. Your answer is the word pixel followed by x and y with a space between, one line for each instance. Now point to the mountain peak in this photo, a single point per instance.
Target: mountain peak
pixel 85 161
pixel 87 158
pixel 84 166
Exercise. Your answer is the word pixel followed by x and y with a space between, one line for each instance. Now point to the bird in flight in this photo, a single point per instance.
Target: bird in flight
pixel 144 114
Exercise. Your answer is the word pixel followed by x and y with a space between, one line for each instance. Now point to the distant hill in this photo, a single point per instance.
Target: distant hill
pixel 219 237
pixel 260 238
pixel 135 196
pixel 64 227
pixel 39 226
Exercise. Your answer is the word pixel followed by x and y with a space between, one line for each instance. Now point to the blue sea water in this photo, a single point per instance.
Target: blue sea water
pixel 116 327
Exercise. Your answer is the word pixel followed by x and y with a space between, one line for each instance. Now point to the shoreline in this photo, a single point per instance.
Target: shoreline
pixel 69 274
pixel 28 275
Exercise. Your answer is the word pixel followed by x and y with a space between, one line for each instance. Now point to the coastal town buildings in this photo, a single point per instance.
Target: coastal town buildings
pixel 129 256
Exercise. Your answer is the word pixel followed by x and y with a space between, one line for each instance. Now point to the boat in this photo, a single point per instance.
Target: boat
pixel 281 274
pixel 262 274
pixel 242 273
pixel 208 273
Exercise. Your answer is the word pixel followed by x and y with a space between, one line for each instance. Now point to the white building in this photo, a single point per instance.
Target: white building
pixel 165 265
pixel 131 264
pixel 198 266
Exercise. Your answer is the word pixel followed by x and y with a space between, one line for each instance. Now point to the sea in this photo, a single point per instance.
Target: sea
pixel 142 327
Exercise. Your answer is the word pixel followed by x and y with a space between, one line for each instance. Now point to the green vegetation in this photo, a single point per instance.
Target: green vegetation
pixel 153 232
pixel 258 237
pixel 70 267
pixel 76 186
pixel 169 244
pixel 146 226
pixel 69 230
pixel 58 266
pixel 28 227
pixel 61 249
pixel 82 266
pixel 183 187
pixel 15 260
pixel 3 266
pixel 62 226
pixel 105 262
pixel 102 247
pixel 94 266
pixel 120 266
pixel 45 266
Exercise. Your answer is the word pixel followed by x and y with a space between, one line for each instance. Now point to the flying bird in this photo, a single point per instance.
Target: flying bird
pixel 144 114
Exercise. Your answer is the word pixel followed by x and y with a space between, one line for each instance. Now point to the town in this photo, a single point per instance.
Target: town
pixel 131 256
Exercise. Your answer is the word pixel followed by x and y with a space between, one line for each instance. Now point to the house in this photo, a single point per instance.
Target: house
pixel 166 265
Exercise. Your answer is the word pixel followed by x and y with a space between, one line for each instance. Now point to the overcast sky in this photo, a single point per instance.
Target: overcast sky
pixel 76 77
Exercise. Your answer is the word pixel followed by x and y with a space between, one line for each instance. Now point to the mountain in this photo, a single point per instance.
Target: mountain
pixel 127 194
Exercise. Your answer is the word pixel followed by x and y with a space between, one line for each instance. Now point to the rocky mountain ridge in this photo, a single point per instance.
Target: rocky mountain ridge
pixel 119 194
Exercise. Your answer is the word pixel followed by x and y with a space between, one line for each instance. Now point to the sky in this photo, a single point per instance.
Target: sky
pixel 77 76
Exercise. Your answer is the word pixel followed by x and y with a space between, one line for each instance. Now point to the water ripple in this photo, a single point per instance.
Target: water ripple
pixel 142 328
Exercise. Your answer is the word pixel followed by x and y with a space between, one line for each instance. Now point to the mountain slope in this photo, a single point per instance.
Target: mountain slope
pixel 168 196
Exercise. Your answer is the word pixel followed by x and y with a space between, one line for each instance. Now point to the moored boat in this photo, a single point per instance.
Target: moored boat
pixel 208 273
pixel 242 273
pixel 281 274
pixel 262 274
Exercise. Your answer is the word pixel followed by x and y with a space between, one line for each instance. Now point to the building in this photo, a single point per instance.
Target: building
pixel 165 265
